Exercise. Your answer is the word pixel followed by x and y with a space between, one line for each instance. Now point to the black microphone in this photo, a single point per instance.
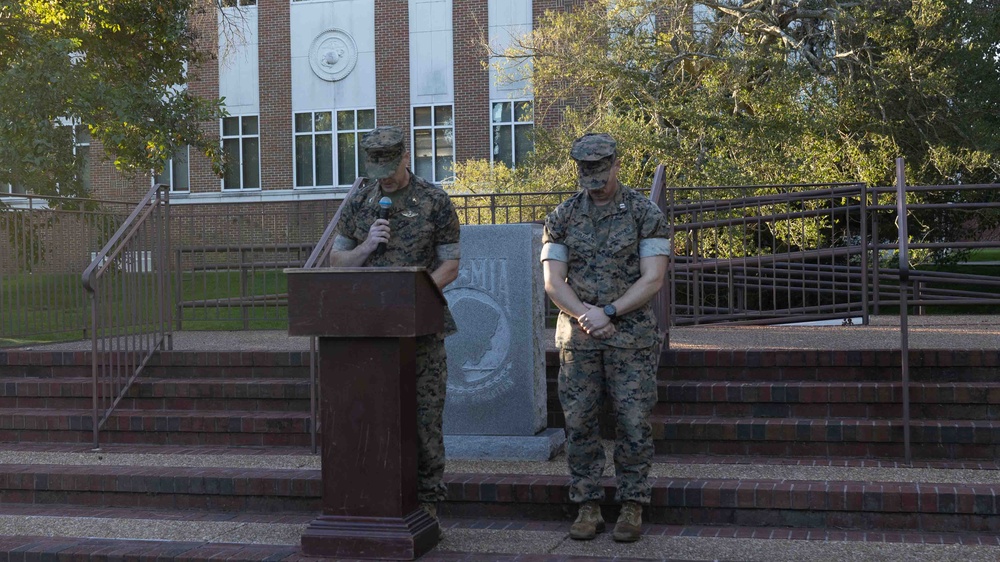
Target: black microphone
pixel 383 213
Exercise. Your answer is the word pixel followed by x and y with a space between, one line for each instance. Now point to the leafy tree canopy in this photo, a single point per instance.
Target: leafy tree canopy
pixel 115 66
pixel 729 92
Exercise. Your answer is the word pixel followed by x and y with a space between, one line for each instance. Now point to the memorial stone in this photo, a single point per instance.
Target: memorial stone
pixel 496 402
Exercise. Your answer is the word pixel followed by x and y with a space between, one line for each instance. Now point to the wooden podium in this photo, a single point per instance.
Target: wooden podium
pixel 367 321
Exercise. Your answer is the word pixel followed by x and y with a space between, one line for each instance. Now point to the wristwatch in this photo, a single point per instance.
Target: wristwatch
pixel 610 311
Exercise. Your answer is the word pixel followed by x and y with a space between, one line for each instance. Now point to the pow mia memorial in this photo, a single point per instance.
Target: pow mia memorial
pixel 367 320
pixel 496 404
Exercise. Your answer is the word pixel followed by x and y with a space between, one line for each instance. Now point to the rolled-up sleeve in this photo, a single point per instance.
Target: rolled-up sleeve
pixel 654 247
pixel 654 233
pixel 447 230
pixel 553 234
pixel 449 251
pixel 553 251
pixel 342 243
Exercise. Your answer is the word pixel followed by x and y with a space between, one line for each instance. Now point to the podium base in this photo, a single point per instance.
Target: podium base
pixel 376 538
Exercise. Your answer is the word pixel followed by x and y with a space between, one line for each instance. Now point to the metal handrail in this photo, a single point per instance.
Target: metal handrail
pixel 321 252
pixel 320 255
pixel 904 281
pixel 661 301
pixel 130 312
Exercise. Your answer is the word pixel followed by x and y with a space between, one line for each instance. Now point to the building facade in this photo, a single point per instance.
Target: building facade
pixel 303 79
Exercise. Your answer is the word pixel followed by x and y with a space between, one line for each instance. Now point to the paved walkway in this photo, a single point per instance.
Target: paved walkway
pixel 499 539
pixel 926 332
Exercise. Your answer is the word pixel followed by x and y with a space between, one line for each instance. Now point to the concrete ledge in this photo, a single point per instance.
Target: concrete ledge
pixel 542 446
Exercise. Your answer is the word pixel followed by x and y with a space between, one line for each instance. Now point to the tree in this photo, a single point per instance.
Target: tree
pixel 116 67
pixel 727 92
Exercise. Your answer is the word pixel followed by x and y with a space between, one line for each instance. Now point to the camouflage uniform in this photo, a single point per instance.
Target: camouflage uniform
pixel 601 247
pixel 425 232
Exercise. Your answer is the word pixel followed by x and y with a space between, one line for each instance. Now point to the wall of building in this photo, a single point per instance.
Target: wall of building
pixel 279 58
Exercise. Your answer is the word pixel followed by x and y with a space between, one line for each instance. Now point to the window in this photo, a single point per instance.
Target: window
pixel 513 123
pixel 12 189
pixel 325 150
pixel 241 147
pixel 176 173
pixel 434 143
pixel 81 154
pixel 234 3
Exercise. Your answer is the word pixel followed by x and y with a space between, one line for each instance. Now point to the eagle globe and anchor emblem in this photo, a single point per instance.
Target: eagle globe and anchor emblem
pixel 479 361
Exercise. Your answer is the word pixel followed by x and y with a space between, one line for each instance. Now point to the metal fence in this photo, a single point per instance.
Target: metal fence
pixel 767 254
pixel 952 219
pixel 506 208
pixel 129 285
pixel 46 243
pixel 231 258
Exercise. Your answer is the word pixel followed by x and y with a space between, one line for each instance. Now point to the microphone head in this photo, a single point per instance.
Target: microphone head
pixel 385 202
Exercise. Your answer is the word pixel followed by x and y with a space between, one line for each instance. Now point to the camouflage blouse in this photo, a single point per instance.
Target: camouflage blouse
pixel 424 227
pixel 602 247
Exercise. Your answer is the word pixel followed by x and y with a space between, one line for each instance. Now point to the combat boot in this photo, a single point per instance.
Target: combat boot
pixel 588 522
pixel 629 525
pixel 430 508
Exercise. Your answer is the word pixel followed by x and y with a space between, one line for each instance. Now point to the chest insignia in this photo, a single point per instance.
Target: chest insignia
pixel 409 214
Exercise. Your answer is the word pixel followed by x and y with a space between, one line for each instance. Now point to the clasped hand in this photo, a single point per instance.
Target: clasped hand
pixel 596 323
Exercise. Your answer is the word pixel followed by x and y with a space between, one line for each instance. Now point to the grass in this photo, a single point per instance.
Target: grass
pixel 984 254
pixel 38 309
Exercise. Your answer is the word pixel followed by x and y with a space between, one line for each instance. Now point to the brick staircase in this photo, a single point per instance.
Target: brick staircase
pixel 827 404
pixel 213 399
pixel 209 454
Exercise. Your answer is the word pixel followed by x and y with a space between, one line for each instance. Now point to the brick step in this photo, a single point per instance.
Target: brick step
pixel 932 365
pixel 779 503
pixel 877 400
pixel 159 427
pixel 838 438
pixel 161 394
pixel 499 540
pixel 724 502
pixel 179 488
pixel 169 364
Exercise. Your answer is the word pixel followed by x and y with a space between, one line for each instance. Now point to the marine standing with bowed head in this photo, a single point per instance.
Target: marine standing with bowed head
pixel 420 229
pixel 604 255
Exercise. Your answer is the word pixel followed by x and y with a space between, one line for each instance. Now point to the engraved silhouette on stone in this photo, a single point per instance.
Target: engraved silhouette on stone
pixel 478 356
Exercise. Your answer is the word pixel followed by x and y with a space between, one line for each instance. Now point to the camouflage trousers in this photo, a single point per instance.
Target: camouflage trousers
pixel 432 382
pixel 627 379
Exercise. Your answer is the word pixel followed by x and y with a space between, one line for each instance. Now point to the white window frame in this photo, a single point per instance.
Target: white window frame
pixel 242 138
pixel 335 133
pixel 513 123
pixel 169 172
pixel 434 129
pixel 81 149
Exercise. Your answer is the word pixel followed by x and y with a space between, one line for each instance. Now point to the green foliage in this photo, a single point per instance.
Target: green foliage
pixel 116 66
pixel 743 93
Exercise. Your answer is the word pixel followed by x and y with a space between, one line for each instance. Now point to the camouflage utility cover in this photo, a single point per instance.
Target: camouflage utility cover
pixel 595 155
pixel 384 149
pixel 592 147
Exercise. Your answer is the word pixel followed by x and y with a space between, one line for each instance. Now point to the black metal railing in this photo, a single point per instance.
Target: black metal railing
pixel 129 286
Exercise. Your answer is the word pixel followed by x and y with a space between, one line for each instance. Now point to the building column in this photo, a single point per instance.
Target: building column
pixel 470 19
pixel 274 56
pixel 392 64
pixel 203 81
